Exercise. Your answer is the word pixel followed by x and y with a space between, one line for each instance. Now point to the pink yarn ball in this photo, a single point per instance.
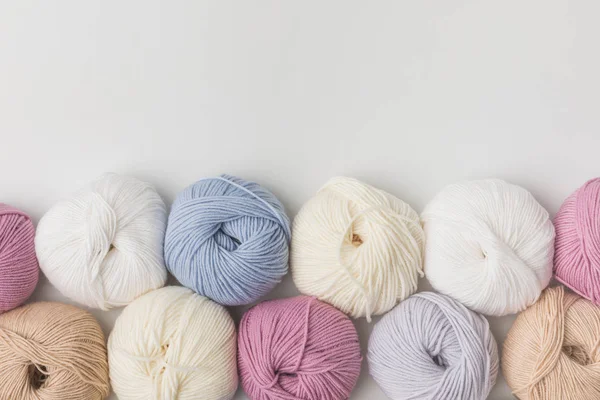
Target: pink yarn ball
pixel 19 268
pixel 577 244
pixel 297 349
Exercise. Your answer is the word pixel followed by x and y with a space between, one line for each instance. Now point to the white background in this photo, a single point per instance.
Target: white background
pixel 406 95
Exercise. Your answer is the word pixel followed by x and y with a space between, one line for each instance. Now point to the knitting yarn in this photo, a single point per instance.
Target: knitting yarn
pixel 52 351
pixel 104 247
pixel 227 239
pixel 297 349
pixel 357 248
pixel 577 246
pixel 489 245
pixel 552 350
pixel 432 347
pixel 18 264
pixel 173 344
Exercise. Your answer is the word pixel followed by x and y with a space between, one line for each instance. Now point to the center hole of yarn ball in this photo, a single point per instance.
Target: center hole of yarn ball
pixel 37 375
pixel 577 354
pixel 438 360
pixel 286 374
pixel 356 240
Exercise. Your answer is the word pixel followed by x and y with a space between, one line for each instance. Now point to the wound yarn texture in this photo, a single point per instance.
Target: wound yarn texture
pixel 297 349
pixel 577 247
pixel 489 245
pixel 19 268
pixel 52 351
pixel 552 351
pixel 104 246
pixel 228 239
pixel 357 247
pixel 432 347
pixel 173 344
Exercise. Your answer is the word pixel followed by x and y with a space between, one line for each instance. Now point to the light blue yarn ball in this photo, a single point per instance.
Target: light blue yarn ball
pixel 228 239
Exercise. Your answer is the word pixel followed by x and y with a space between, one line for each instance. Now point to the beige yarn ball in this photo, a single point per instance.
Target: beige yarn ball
pixel 52 351
pixel 552 351
pixel 173 344
pixel 357 248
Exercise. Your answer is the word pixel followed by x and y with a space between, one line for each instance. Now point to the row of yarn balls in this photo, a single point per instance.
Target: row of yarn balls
pixel 488 247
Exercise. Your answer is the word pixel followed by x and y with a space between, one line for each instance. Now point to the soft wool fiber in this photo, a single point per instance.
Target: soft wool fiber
pixel 19 268
pixel 104 247
pixel 577 247
pixel 552 350
pixel 432 347
pixel 298 349
pixel 173 344
pixel 52 351
pixel 227 239
pixel 489 245
pixel 357 248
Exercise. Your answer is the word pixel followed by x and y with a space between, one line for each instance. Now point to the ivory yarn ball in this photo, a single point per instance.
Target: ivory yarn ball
pixel 357 248
pixel 52 351
pixel 489 245
pixel 298 349
pixel 431 347
pixel 228 239
pixel 577 247
pixel 19 268
pixel 173 344
pixel 104 246
pixel 552 350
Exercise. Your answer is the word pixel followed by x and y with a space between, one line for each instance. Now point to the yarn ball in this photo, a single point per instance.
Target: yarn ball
pixel 432 347
pixel 577 246
pixel 227 239
pixel 489 245
pixel 173 344
pixel 357 248
pixel 551 351
pixel 297 349
pixel 104 247
pixel 51 351
pixel 19 268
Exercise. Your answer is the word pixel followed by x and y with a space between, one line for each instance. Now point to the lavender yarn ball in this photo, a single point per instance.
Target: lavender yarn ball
pixel 432 347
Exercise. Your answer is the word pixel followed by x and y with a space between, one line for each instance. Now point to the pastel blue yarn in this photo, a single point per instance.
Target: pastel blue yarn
pixel 228 239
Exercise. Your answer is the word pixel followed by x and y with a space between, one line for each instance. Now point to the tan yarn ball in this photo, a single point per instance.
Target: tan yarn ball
pixel 553 349
pixel 52 351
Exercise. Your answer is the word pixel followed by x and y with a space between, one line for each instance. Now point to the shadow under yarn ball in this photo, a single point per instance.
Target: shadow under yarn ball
pixel 172 344
pixel 577 247
pixel 552 350
pixel 19 268
pixel 228 239
pixel 488 244
pixel 51 351
pixel 297 349
pixel 431 347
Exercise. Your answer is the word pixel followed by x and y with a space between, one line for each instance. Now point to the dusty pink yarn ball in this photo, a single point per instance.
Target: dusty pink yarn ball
pixel 297 349
pixel 577 245
pixel 19 268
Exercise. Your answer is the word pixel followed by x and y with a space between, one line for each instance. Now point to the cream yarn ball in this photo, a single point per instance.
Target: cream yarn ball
pixel 357 248
pixel 489 245
pixel 173 344
pixel 104 247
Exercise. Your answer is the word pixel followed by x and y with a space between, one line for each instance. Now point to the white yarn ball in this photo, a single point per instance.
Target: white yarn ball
pixel 357 248
pixel 489 245
pixel 104 247
pixel 173 344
